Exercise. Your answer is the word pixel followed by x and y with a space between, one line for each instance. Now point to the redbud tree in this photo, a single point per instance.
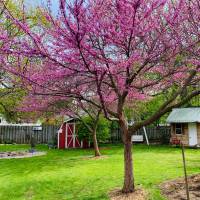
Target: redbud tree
pixel 112 53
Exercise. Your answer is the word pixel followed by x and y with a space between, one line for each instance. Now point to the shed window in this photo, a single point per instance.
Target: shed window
pixel 179 129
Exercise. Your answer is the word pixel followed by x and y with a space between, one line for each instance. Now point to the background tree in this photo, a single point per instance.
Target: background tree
pixel 11 92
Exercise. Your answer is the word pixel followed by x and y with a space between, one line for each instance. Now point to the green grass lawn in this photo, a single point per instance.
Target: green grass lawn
pixel 68 174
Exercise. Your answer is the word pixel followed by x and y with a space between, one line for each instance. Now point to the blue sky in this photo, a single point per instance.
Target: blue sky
pixel 34 3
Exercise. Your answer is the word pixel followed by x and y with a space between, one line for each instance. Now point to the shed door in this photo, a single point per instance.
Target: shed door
pixel 70 135
pixel 192 134
pixel 61 137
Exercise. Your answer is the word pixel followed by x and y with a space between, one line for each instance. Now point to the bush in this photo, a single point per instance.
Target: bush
pixel 103 129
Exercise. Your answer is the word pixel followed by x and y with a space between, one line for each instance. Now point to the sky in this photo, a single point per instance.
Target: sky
pixel 35 3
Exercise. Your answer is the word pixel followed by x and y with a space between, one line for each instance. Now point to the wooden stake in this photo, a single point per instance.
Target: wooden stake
pixel 185 172
pixel 146 137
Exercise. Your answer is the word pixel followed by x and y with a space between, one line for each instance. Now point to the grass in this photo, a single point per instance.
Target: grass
pixel 69 174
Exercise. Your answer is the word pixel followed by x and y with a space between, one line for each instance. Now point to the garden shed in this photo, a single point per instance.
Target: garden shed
pixel 185 126
pixel 68 135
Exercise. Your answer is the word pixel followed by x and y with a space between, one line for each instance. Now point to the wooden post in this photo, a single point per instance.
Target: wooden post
pixel 185 172
pixel 146 137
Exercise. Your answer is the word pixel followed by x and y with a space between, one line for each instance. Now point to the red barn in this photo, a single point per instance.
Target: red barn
pixel 68 137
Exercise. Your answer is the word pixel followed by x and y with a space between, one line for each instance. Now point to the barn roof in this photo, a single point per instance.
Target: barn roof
pixel 184 115
pixel 71 120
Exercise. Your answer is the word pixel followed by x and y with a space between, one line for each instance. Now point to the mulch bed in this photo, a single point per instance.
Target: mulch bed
pixel 175 189
pixel 20 154
pixel 139 194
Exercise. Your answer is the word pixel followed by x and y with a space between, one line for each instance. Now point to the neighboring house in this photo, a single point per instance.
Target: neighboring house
pixel 3 122
pixel 185 126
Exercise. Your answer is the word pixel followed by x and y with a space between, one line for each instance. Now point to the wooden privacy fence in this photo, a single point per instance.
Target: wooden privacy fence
pixel 155 134
pixel 48 134
pixel 22 134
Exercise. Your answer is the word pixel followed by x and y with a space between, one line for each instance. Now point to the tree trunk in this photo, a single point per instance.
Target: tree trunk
pixel 95 143
pixel 128 167
pixel 128 186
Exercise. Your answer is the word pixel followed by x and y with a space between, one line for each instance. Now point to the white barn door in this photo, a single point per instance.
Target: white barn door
pixel 192 128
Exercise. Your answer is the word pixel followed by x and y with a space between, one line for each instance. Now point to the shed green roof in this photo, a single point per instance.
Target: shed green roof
pixel 184 115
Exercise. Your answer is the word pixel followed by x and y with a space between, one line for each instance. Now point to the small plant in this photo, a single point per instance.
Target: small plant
pixel 8 141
